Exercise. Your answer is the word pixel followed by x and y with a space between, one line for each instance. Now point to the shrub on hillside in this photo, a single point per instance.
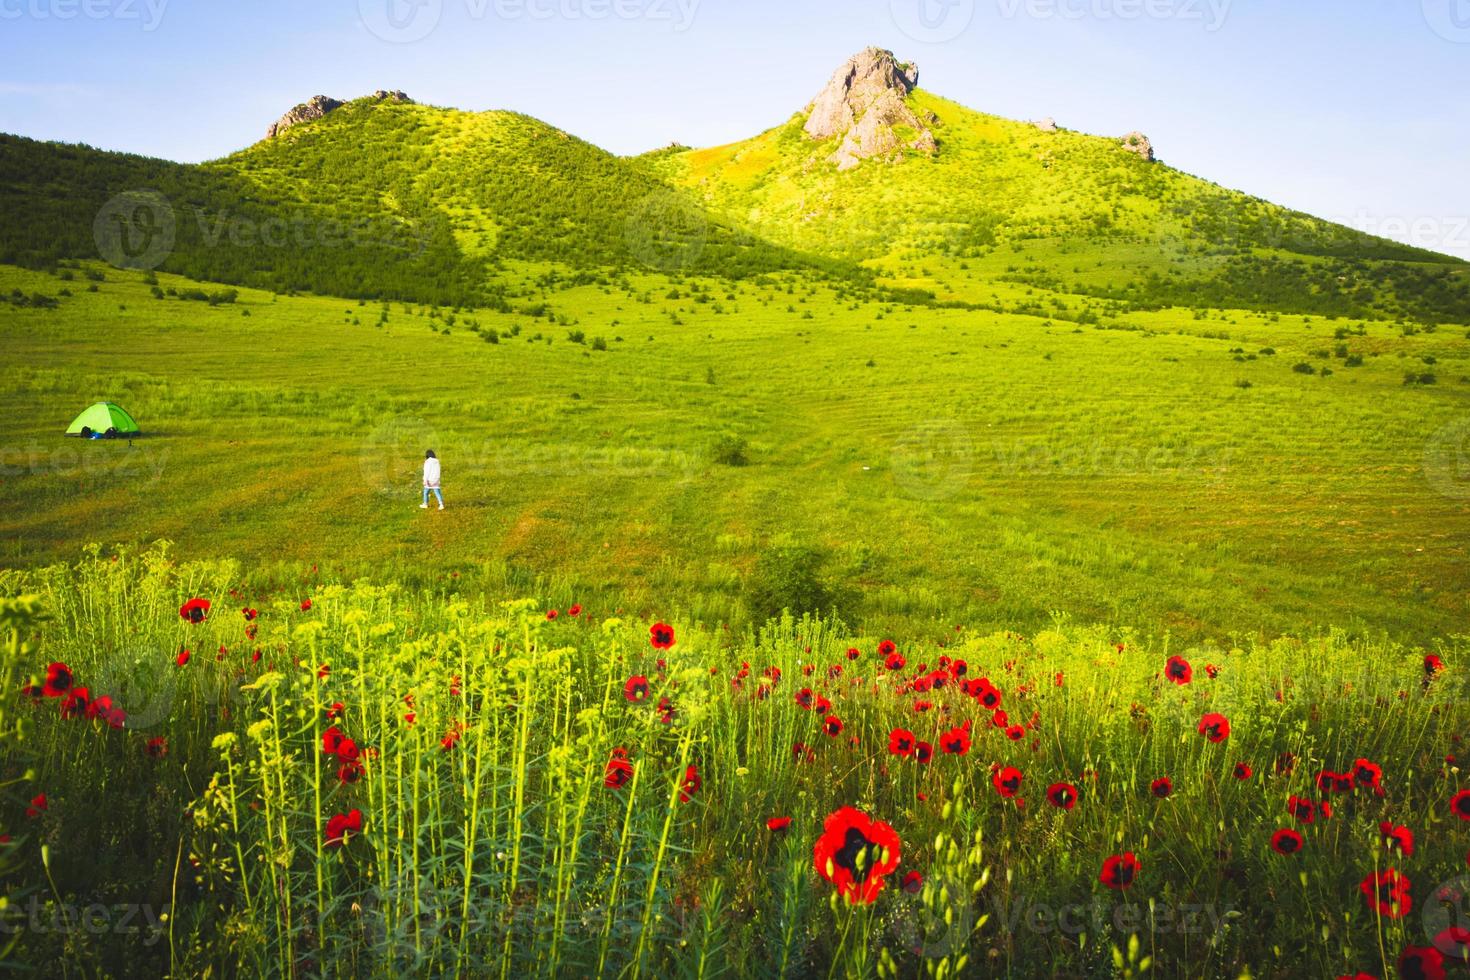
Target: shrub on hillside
pixel 789 577
pixel 731 450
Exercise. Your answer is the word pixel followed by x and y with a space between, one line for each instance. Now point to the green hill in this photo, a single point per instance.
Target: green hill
pixel 381 200
pixel 995 201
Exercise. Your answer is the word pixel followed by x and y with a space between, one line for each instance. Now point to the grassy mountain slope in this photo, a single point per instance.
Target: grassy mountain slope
pixel 1004 201
pixel 381 200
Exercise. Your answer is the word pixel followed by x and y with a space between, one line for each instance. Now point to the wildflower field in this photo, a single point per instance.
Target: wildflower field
pixel 213 774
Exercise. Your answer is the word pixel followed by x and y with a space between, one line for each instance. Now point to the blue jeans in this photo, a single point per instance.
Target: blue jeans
pixel 435 492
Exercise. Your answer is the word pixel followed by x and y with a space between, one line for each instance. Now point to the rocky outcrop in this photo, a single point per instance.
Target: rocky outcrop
pixel 865 104
pixel 1136 142
pixel 1047 125
pixel 319 105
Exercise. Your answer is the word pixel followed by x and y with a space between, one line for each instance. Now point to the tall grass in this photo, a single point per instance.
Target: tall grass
pixel 491 846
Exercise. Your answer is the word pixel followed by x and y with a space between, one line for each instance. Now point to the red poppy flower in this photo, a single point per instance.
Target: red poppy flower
pixel 987 694
pixel 1397 838
pixel 249 613
pixel 1334 782
pixel 450 740
pixel 58 680
pixel 690 785
pixel 182 658
pixel 778 824
pixel 1062 795
pixel 958 669
pixel 341 826
pixel 894 661
pixel 853 653
pixel 956 741
pixel 1301 809
pixel 76 703
pixel 1007 781
pixel 39 805
pixel 305 605
pixel 801 752
pixel 887 648
pixel 574 611
pixel 1460 804
pixel 636 689
pixel 619 770
pixel 923 751
pixel 1432 664
pixel 156 747
pixel 1286 841
pixel 1454 943
pixel 901 742
pixel 1177 669
pixel 1163 787
pixel 1421 963
pixel 194 610
pixel 1211 671
pixel 347 749
pixel 349 772
pixel 1119 871
pixel 913 882
pixel 822 705
pixel 1215 727
pixel 1243 771
pixel 323 672
pixel 551 614
pixel 855 853
pixel 805 697
pixel 661 635
pixel 1387 893
pixel 1016 732
pixel 832 726
pixel 335 711
pixel 332 740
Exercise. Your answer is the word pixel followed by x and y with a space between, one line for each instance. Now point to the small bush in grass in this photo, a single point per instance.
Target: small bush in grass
pixel 731 450
pixel 1302 367
pixel 789 577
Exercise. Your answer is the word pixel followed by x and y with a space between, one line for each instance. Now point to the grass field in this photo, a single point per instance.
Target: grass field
pixel 953 465
pixel 1007 557
pixel 600 795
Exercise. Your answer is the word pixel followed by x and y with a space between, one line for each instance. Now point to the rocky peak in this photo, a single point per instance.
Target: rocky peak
pixel 1136 142
pixel 863 103
pixel 1047 125
pixel 319 105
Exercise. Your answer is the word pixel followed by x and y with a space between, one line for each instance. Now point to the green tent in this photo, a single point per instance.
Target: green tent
pixel 101 417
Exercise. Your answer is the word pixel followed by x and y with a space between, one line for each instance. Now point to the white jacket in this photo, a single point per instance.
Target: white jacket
pixel 431 472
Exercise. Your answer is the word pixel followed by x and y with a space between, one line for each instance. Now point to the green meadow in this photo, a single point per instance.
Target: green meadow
pixel 654 438
pixel 1006 555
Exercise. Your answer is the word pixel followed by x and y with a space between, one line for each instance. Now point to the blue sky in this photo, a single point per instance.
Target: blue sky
pixel 1355 110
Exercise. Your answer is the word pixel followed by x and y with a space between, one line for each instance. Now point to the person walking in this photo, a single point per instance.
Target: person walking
pixel 431 480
